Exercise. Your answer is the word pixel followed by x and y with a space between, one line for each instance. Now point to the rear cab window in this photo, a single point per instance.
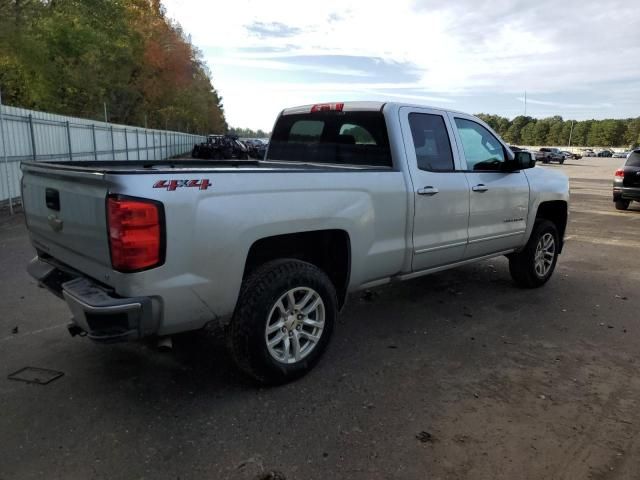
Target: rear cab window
pixel 332 137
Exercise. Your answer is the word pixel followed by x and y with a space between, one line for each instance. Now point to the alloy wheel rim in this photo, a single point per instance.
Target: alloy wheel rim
pixel 545 253
pixel 294 325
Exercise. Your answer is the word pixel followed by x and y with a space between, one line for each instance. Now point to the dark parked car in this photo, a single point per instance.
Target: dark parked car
pixel 256 148
pixel 626 182
pixel 605 153
pixel 218 147
pixel 574 156
pixel 548 155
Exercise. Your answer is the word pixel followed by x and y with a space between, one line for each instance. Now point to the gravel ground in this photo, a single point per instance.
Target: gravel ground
pixel 452 376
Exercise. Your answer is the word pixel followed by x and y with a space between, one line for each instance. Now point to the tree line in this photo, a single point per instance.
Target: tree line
pixel 73 56
pixel 248 133
pixel 555 131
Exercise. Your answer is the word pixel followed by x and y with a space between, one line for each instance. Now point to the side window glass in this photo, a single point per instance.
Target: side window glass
pixel 306 131
pixel 482 150
pixel 431 142
pixel 359 135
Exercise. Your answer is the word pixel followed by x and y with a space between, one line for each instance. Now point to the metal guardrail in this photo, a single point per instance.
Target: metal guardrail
pixel 39 136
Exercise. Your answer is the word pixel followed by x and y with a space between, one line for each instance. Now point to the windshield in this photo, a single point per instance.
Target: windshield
pixel 349 138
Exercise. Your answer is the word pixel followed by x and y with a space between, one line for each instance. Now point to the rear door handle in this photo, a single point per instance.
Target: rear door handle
pixel 429 190
pixel 481 187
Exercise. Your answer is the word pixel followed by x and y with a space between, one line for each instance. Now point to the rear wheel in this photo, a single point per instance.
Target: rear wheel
pixel 622 204
pixel 534 265
pixel 283 321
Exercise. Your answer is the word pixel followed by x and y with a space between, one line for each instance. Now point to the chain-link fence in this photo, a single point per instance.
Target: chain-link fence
pixel 37 136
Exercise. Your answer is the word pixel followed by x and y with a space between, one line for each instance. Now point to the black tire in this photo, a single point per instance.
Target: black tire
pixel 194 152
pixel 259 294
pixel 522 265
pixel 622 204
pixel 546 160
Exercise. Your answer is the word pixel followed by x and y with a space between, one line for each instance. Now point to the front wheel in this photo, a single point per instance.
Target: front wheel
pixel 534 265
pixel 283 321
pixel 622 204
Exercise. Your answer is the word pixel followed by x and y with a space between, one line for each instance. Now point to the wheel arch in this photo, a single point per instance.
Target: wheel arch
pixel 329 250
pixel 556 211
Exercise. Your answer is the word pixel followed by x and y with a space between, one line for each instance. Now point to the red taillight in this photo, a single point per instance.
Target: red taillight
pixel 327 107
pixel 135 234
pixel 620 172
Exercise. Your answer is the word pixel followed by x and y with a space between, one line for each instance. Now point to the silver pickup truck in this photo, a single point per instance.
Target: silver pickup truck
pixel 350 196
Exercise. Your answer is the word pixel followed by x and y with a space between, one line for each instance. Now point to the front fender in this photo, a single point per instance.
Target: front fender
pixel 545 185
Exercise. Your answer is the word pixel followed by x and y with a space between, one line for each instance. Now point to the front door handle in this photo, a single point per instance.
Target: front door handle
pixel 481 187
pixel 429 190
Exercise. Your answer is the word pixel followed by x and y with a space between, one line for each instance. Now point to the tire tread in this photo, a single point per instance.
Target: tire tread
pixel 252 292
pixel 520 263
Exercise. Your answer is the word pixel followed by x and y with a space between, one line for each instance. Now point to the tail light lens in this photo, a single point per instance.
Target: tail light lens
pixel 620 172
pixel 136 236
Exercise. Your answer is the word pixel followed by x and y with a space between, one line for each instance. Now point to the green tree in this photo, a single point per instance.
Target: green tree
pixel 581 132
pixel 596 137
pixel 513 135
pixel 632 133
pixel 71 56
pixel 540 131
pixel 567 132
pixel 613 132
pixel 499 124
pixel 554 136
pixel 528 134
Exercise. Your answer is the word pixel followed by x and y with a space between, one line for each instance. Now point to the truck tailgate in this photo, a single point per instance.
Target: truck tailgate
pixel 65 214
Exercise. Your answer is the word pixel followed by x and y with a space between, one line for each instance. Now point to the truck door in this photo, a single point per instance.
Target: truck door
pixel 440 188
pixel 499 200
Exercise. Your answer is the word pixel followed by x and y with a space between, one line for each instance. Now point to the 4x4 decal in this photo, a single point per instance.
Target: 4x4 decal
pixel 171 185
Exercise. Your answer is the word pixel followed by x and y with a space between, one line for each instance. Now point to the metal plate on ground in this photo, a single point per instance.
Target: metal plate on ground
pixel 41 376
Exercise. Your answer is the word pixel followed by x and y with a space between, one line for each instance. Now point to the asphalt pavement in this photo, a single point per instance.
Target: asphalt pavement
pixel 458 375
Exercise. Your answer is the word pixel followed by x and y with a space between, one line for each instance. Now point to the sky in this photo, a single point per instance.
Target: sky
pixel 574 58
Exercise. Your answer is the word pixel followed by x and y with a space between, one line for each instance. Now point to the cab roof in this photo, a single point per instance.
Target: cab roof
pixel 355 106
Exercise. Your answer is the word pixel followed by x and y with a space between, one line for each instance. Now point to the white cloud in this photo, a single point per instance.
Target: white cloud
pixel 462 47
pixel 266 64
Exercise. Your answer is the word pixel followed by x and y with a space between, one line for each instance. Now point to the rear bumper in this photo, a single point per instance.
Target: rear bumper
pixel 626 193
pixel 96 311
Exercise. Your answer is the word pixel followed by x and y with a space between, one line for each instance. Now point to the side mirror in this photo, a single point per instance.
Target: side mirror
pixel 524 160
